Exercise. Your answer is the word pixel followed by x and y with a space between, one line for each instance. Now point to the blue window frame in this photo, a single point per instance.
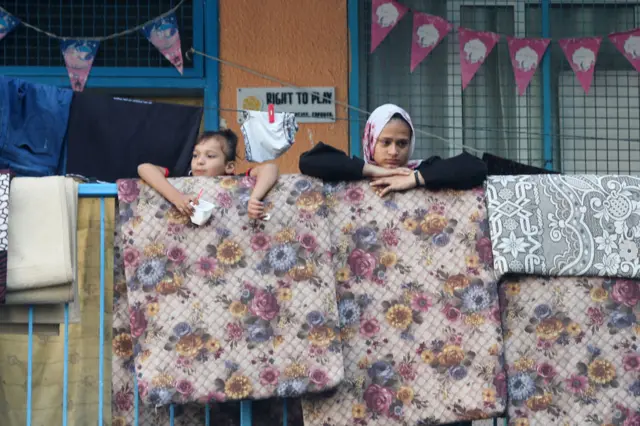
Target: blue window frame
pixel 26 53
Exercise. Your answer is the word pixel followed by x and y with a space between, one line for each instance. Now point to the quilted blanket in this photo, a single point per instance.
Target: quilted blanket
pixel 418 310
pixel 236 309
pixel 571 348
pixel 554 225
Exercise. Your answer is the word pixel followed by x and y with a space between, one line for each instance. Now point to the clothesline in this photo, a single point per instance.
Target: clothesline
pixel 104 38
pixel 473 128
pixel 362 111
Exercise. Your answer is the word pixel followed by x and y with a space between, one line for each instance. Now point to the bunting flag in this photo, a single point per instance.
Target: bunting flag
pixel 385 15
pixel 526 54
pixel 164 35
pixel 7 23
pixel 475 46
pixel 582 54
pixel 428 32
pixel 628 43
pixel 78 57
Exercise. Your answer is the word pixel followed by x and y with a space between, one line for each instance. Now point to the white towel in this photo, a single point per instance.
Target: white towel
pixel 266 141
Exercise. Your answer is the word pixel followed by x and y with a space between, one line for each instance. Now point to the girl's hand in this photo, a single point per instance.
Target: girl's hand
pixel 370 170
pixel 255 208
pixel 183 204
pixel 385 185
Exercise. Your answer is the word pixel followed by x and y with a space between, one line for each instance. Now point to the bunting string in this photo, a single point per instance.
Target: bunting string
pixel 99 39
pixel 80 52
pixel 475 46
pixel 419 128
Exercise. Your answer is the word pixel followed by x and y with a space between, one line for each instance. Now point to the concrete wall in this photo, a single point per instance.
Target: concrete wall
pixel 303 42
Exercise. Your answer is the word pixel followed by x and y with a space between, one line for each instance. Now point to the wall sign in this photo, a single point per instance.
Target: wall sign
pixel 311 105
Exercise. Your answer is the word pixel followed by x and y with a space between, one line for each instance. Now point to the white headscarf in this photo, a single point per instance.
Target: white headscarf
pixel 376 122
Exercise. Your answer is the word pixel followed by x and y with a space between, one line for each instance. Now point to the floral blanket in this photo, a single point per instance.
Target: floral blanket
pixel 555 225
pixel 571 348
pixel 418 308
pixel 235 309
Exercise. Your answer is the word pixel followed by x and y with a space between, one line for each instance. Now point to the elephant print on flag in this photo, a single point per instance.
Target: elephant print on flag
pixel 475 46
pixel 582 54
pixel 526 54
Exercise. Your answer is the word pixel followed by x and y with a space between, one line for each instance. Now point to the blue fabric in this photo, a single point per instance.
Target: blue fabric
pixel 33 126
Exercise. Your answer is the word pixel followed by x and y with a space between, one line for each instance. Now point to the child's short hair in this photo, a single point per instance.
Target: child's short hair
pixel 230 142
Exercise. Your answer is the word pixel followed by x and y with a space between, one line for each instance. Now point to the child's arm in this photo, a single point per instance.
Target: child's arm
pixel 266 176
pixel 154 176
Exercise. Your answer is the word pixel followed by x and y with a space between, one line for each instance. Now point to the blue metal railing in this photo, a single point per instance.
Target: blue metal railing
pixel 103 191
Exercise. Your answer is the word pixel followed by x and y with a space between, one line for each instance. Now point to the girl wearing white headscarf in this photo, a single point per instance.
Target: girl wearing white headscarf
pixel 388 144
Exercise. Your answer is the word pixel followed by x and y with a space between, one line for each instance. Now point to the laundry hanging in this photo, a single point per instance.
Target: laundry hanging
pixel 418 308
pixel 33 125
pixel 269 286
pixel 109 137
pixel 569 350
pixel 265 138
pixel 557 225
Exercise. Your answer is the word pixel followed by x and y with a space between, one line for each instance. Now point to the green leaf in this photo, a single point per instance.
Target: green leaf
pixel 168 347
pixel 173 339
pixel 302 335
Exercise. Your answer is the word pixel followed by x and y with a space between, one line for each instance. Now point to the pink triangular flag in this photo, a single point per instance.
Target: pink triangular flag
pixel 78 57
pixel 582 54
pixel 475 46
pixel 385 14
pixel 628 43
pixel 164 35
pixel 428 32
pixel 526 54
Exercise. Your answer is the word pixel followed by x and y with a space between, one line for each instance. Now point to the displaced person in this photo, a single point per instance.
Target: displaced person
pixel 388 143
pixel 213 155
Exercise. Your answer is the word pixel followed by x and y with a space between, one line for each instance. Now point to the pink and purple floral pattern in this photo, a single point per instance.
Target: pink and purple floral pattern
pixel 418 310
pixel 233 309
pixel 571 351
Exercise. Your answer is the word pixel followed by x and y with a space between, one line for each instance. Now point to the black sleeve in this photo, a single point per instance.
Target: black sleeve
pixel 463 171
pixel 330 164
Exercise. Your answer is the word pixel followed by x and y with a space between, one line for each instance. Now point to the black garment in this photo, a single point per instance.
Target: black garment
pixel 498 166
pixel 109 137
pixel 463 171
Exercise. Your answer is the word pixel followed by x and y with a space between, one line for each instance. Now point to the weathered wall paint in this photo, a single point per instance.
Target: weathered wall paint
pixel 303 42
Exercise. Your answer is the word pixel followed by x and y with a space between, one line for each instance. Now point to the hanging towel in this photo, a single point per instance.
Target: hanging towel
pixel 5 180
pixel 498 166
pixel 109 137
pixel 266 141
pixel 42 229
pixel 33 125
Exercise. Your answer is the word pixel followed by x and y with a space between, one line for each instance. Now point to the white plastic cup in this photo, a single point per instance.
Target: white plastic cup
pixel 202 212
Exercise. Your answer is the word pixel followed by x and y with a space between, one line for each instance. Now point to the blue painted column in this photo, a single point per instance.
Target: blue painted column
pixel 354 77
pixel 211 67
pixel 546 91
